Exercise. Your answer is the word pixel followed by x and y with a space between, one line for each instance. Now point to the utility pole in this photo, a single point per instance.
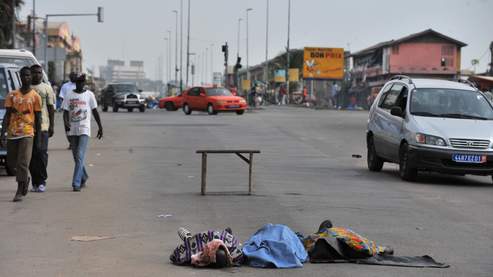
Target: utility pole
pixel 34 28
pixel 176 47
pixel 266 69
pixel 188 44
pixel 212 64
pixel 247 53
pixel 287 51
pixel 169 56
pixel 181 45
pixel 206 65
pixel 13 25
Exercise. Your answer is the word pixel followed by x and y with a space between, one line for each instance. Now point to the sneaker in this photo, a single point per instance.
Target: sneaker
pixel 76 189
pixel 41 188
pixel 35 189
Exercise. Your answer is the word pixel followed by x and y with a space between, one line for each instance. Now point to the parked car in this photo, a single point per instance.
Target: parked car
pixel 432 125
pixel 9 81
pixel 212 100
pixel 171 103
pixel 122 95
pixel 20 58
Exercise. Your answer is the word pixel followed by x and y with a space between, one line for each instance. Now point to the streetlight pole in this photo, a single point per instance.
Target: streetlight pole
pixel 13 24
pixel 169 55
pixel 238 44
pixel 34 27
pixel 287 51
pixel 176 46
pixel 266 69
pixel 188 43
pixel 247 53
pixel 181 45
pixel 206 65
pixel 212 63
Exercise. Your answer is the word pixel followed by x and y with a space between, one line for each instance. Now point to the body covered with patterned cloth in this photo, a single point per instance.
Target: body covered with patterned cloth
pixel 198 243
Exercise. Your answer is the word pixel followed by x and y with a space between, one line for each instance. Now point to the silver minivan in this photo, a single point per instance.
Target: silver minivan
pixel 430 125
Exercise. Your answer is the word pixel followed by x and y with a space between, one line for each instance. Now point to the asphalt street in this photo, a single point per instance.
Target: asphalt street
pixel 145 183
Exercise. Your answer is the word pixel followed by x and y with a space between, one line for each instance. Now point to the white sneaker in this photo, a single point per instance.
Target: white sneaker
pixel 41 188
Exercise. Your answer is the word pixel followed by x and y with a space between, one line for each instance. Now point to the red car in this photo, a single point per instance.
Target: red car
pixel 171 103
pixel 212 100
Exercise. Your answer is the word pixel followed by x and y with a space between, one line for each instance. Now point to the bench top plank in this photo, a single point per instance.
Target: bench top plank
pixel 230 151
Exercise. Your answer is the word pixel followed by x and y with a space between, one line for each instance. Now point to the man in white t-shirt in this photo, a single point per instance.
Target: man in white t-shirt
pixel 65 89
pixel 78 107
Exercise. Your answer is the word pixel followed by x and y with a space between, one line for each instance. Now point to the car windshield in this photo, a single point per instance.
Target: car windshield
pixel 451 103
pixel 218 92
pixel 122 88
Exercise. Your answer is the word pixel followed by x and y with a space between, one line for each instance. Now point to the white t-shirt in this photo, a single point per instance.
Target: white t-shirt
pixel 79 107
pixel 66 88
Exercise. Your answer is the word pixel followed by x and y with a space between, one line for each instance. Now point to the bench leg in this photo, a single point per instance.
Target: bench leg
pixel 250 169
pixel 204 173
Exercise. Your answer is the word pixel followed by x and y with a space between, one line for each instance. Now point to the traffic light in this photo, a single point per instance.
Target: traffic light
pixel 100 14
pixel 238 63
pixel 225 50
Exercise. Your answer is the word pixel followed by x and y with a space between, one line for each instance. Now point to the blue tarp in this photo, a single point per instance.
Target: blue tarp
pixel 275 246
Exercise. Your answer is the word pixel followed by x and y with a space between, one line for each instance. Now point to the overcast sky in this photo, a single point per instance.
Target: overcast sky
pixel 135 30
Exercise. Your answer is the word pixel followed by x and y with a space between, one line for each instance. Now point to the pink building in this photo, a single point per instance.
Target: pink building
pixel 427 54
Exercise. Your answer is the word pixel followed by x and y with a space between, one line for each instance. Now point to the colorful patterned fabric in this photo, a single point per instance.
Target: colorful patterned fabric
pixel 24 107
pixel 208 255
pixel 359 244
pixel 182 255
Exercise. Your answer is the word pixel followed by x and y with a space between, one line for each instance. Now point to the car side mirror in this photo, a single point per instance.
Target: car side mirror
pixel 396 111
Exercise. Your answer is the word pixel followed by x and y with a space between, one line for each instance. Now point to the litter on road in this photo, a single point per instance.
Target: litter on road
pixel 89 238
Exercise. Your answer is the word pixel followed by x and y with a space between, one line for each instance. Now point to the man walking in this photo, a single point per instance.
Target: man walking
pixel 78 106
pixel 39 160
pixel 65 89
pixel 22 121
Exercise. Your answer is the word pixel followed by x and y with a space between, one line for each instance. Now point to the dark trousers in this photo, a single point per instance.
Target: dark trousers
pixel 39 161
pixel 19 153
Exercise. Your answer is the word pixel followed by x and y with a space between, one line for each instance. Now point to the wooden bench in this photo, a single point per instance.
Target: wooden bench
pixel 238 153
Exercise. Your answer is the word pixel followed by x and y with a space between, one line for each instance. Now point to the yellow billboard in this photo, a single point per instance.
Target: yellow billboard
pixel 294 74
pixel 323 63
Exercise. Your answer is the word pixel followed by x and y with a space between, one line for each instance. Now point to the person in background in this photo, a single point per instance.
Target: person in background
pixel 78 107
pixel 65 89
pixel 39 159
pixel 22 121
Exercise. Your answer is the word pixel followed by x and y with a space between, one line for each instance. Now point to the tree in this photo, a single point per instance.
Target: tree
pixel 7 11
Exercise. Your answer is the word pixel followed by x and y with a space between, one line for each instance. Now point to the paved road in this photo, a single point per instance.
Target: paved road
pixel 146 166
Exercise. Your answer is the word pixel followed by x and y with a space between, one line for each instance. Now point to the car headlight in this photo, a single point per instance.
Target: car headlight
pixel 242 101
pixel 430 140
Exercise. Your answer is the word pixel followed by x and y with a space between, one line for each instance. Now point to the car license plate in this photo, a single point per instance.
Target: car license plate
pixel 467 158
pixel 233 107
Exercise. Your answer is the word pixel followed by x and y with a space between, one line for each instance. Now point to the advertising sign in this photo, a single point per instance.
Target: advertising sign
pixel 246 84
pixel 323 63
pixel 280 76
pixel 294 74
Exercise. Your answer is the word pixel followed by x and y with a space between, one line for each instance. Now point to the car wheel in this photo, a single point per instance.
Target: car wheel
pixel 240 112
pixel 186 109
pixel 142 109
pixel 406 171
pixel 130 110
pixel 375 163
pixel 115 108
pixel 105 108
pixel 210 110
pixel 10 170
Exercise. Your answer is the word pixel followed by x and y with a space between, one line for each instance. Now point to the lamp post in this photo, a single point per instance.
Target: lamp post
pixel 188 43
pixel 169 55
pixel 99 14
pixel 212 63
pixel 181 45
pixel 266 69
pixel 206 70
pixel 238 44
pixel 287 51
pixel 247 53
pixel 176 46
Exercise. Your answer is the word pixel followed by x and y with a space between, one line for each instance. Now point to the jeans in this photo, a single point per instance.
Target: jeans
pixel 19 153
pixel 79 147
pixel 39 161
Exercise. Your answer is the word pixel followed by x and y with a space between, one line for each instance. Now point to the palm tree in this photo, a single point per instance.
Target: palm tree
pixel 7 11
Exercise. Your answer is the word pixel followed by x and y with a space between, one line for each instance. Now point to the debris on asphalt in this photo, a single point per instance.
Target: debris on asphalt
pixel 164 215
pixel 179 164
pixel 90 238
pixel 190 177
pixel 356 156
